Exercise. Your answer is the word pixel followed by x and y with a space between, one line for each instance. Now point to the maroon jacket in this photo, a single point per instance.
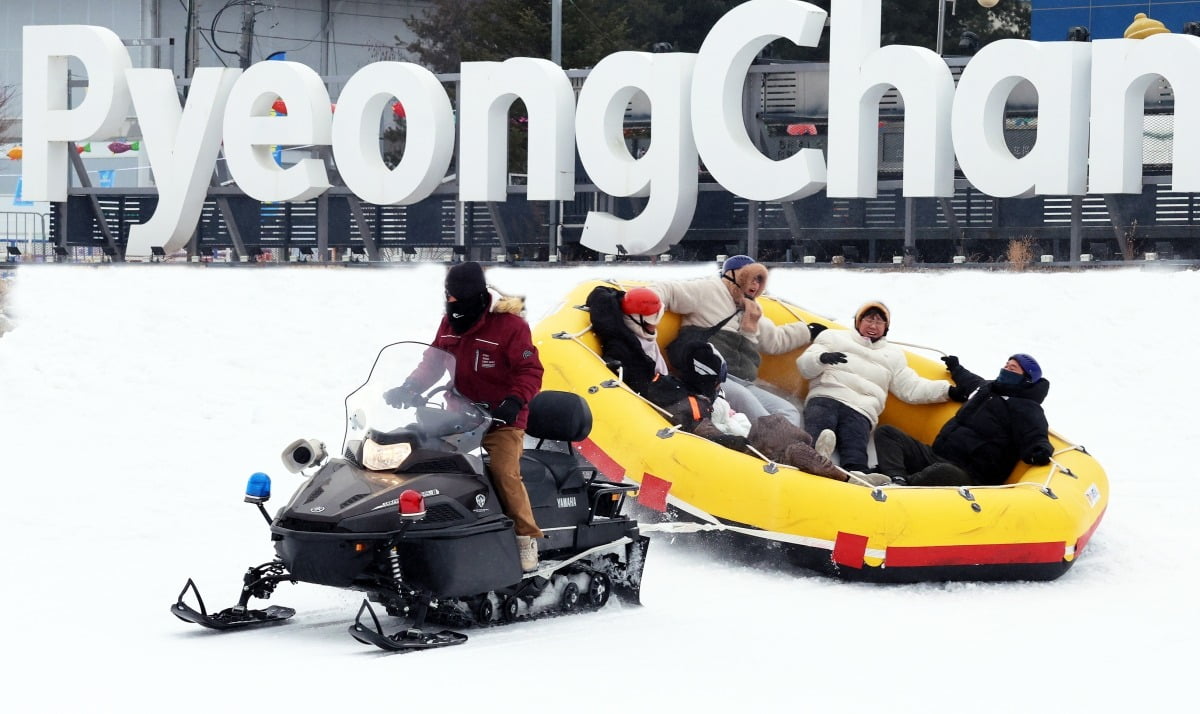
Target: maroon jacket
pixel 494 359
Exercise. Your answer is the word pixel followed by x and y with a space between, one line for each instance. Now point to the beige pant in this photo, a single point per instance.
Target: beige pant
pixel 504 446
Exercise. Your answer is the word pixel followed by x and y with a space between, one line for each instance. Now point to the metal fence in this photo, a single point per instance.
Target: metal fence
pixel 26 235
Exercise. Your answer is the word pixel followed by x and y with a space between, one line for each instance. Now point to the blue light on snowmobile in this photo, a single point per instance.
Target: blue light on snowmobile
pixel 258 488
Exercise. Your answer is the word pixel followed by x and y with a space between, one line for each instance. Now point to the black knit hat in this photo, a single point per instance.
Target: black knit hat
pixel 465 280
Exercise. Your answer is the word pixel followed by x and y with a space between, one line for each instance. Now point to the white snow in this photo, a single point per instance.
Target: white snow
pixel 136 400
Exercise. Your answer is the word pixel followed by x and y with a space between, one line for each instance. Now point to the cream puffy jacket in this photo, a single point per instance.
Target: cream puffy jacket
pixel 707 301
pixel 870 371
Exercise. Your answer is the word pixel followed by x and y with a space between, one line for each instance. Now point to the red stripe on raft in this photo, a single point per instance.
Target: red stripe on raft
pixel 611 469
pixel 849 550
pixel 994 554
pixel 653 493
pixel 1083 539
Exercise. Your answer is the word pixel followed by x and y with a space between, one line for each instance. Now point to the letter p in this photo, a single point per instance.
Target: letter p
pixel 47 123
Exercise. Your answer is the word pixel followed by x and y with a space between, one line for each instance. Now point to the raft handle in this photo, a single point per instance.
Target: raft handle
pixel 966 494
pixel 878 494
pixel 1046 490
pixel 1066 470
pixel 564 335
pixel 770 467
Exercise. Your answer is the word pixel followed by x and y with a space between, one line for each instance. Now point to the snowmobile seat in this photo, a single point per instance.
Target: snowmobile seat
pixel 561 418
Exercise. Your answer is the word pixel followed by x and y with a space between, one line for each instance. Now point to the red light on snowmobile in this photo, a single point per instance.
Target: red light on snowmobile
pixel 412 505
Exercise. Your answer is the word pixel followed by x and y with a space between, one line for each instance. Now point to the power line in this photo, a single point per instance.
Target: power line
pixel 353 14
pixel 307 41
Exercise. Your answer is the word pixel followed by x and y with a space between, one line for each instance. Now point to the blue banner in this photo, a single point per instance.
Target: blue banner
pixel 17 201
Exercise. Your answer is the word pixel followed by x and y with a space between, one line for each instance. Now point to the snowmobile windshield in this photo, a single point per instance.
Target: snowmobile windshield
pixel 408 404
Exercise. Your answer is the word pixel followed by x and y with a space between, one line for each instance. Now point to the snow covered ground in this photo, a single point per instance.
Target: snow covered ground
pixel 136 400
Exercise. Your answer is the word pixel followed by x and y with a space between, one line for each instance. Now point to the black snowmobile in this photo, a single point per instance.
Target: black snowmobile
pixel 408 515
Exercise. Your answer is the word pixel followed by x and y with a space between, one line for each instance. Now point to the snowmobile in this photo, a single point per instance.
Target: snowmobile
pixel 408 515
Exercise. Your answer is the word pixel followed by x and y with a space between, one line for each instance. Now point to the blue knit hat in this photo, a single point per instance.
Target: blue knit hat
pixel 1030 366
pixel 734 262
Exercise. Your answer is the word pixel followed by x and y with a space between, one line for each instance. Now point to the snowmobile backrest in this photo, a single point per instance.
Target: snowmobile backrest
pixel 559 416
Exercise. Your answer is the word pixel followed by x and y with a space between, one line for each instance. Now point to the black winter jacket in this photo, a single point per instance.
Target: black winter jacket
pixel 999 425
pixel 618 344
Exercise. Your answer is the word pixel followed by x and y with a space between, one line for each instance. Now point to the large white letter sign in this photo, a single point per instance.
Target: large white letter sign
pixel 1057 164
pixel 429 138
pixel 488 89
pixel 667 171
pixel 251 132
pixel 719 78
pixel 46 122
pixel 860 72
pixel 182 146
pixel 1122 71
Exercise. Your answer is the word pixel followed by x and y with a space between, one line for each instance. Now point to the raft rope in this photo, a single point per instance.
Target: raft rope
pixel 919 347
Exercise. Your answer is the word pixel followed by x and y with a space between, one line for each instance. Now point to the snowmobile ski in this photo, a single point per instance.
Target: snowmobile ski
pixel 231 618
pixel 412 638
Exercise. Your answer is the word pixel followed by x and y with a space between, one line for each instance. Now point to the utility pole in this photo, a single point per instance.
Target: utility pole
pixel 248 13
pixel 191 42
pixel 556 57
pixel 326 21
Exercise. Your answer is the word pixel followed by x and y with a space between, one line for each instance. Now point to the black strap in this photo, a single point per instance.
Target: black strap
pixel 717 327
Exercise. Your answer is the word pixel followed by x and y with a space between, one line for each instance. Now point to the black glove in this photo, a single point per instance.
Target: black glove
pixel 951 362
pixel 832 357
pixel 507 410
pixel 814 329
pixel 1039 455
pixel 959 393
pixel 402 397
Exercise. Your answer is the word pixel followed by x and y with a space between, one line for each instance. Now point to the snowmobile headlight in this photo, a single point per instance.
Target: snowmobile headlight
pixel 385 457
pixel 258 488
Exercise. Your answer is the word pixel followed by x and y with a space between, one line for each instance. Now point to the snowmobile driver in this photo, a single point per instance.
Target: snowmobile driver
pixel 496 364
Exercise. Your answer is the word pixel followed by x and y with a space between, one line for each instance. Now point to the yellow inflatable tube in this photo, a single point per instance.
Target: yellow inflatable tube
pixel 1032 528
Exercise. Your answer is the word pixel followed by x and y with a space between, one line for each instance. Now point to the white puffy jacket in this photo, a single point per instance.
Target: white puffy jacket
pixel 707 301
pixel 870 371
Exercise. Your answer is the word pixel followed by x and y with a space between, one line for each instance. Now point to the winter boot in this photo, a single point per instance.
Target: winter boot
pixel 826 443
pixel 528 550
pixel 869 479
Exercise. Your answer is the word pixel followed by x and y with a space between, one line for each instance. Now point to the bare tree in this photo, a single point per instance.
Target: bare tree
pixel 8 109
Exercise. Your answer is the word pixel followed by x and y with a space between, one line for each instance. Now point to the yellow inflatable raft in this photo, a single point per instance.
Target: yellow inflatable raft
pixel 1032 528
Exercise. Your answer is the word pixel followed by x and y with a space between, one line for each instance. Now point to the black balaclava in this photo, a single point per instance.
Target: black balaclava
pixel 465 283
